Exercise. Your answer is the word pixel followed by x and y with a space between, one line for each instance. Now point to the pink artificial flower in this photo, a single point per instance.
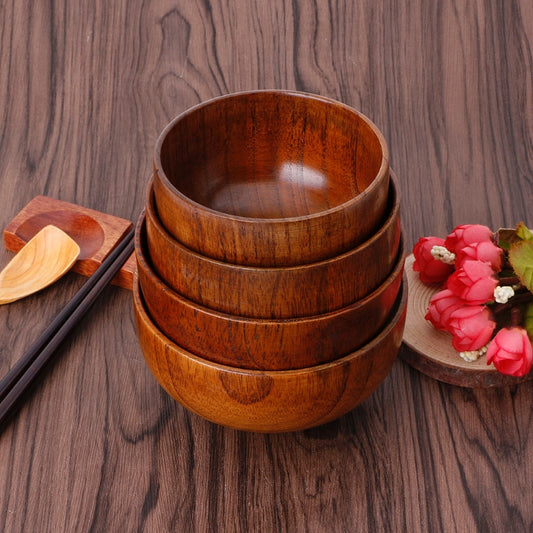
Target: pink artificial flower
pixel 466 235
pixel 485 251
pixel 511 352
pixel 474 282
pixel 471 327
pixel 441 306
pixel 431 270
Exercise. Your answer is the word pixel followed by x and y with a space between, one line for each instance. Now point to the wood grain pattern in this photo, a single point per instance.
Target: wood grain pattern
pixel 85 90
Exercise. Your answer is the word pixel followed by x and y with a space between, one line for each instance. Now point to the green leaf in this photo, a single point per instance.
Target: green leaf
pixel 528 322
pixel 521 259
pixel 506 237
pixel 524 232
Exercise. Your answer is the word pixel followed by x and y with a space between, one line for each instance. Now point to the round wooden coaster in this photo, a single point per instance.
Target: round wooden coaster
pixel 430 351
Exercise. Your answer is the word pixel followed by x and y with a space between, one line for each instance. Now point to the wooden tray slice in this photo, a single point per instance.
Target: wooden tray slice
pixel 96 233
pixel 430 351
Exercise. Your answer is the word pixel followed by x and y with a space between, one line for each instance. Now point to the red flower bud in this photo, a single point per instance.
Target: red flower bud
pixel 441 306
pixel 471 327
pixel 511 352
pixel 466 235
pixel 474 282
pixel 485 251
pixel 431 270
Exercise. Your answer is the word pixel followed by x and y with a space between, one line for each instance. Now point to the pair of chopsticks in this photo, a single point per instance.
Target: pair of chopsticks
pixel 28 367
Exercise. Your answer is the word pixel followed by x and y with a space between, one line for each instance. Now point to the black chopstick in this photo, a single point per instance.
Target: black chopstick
pixel 26 370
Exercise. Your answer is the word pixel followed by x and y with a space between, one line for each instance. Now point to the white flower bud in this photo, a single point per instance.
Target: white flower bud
pixel 470 357
pixel 473 355
pixel 503 294
pixel 441 253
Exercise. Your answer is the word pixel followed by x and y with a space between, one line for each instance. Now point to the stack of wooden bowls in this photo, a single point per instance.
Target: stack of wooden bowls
pixel 270 294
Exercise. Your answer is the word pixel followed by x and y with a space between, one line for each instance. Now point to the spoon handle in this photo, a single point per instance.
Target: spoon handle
pixel 20 377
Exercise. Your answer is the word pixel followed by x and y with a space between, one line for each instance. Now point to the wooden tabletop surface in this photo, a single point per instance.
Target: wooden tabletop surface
pixel 85 90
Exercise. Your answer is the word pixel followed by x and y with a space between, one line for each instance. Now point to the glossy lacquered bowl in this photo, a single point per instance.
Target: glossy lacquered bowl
pixel 290 292
pixel 271 178
pixel 269 401
pixel 264 344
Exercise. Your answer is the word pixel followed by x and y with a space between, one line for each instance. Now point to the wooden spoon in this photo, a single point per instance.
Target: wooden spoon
pixel 41 262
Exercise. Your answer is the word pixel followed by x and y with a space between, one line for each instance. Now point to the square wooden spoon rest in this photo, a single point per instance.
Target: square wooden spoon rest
pixel 96 233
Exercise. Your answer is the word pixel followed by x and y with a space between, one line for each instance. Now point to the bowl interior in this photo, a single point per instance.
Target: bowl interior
pixel 271 154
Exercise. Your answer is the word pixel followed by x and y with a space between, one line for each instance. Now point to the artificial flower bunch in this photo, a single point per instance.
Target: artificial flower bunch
pixel 486 296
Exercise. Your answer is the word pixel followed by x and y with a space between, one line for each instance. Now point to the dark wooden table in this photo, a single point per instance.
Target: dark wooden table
pixel 85 89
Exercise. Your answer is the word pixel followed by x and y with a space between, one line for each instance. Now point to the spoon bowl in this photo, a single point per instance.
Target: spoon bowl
pixel 42 261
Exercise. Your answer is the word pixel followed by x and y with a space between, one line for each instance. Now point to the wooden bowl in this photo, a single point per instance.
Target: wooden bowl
pixel 289 292
pixel 264 344
pixel 269 401
pixel 271 178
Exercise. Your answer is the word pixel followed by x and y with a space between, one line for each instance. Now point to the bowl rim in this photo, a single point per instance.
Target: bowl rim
pixel 392 215
pixel 141 256
pixel 400 307
pixel 383 172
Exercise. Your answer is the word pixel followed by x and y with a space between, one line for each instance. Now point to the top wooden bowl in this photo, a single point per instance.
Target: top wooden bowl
pixel 271 178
